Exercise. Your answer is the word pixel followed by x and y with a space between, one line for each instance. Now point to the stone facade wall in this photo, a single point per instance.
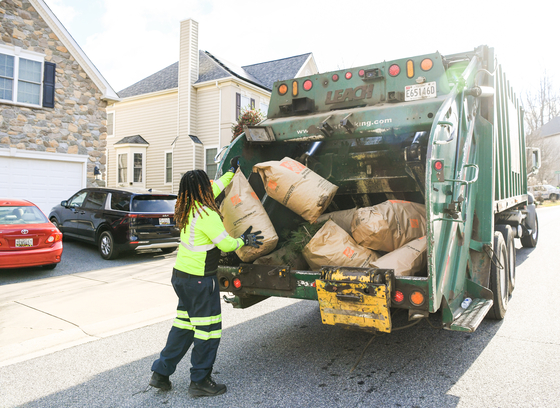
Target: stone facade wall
pixel 77 123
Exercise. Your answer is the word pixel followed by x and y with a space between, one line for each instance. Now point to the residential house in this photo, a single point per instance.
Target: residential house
pixel 179 118
pixel 52 108
pixel 547 138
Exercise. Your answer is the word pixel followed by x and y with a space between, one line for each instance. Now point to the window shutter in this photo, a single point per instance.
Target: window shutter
pixel 237 106
pixel 48 85
pixel 252 103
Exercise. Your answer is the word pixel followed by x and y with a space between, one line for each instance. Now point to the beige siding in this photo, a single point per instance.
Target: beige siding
pixel 208 115
pixel 153 118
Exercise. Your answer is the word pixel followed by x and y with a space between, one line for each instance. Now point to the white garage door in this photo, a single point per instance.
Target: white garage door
pixel 42 178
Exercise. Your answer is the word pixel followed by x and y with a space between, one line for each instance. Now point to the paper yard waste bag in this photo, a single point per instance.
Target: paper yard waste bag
pixel 297 187
pixel 282 257
pixel 389 225
pixel 408 260
pixel 241 209
pixel 332 246
pixel 342 218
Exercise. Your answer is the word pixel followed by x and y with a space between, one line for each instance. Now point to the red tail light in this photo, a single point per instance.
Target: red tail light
pixel 307 85
pixel 398 297
pixel 394 70
pixel 236 283
pixel 55 237
pixel 348 75
pixel 335 77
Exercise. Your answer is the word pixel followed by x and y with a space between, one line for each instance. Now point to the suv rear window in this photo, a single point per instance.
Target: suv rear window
pixel 154 204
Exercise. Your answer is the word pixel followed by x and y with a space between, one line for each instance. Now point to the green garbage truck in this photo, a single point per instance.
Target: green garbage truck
pixel 445 131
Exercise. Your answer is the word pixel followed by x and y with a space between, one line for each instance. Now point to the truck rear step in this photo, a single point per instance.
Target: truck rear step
pixel 469 320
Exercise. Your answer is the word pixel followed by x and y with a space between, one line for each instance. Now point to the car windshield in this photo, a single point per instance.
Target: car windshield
pixel 153 204
pixel 16 215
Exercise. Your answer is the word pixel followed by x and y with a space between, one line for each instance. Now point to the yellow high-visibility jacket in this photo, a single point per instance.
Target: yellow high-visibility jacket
pixel 204 236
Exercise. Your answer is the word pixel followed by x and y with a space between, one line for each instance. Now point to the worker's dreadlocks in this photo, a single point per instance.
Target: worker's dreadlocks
pixel 195 191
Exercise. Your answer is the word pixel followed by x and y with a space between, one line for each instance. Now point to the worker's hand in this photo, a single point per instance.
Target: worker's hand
pixel 234 163
pixel 252 238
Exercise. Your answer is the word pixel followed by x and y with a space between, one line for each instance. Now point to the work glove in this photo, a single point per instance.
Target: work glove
pixel 234 163
pixel 252 238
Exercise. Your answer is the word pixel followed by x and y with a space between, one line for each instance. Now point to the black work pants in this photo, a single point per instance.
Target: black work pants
pixel 199 321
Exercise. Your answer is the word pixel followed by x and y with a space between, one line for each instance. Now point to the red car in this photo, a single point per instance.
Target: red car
pixel 27 237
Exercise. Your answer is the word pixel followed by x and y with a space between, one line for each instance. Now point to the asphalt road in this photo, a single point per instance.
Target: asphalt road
pixel 78 257
pixel 278 354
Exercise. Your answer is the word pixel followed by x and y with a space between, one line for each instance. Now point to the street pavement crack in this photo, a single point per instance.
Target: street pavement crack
pixel 59 318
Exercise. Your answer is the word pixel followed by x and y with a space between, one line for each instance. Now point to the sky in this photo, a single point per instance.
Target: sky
pixel 128 40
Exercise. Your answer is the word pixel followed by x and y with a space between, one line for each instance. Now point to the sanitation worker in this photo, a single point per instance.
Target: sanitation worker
pixel 199 318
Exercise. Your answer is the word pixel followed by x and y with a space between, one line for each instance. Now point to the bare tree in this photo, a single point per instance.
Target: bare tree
pixel 541 107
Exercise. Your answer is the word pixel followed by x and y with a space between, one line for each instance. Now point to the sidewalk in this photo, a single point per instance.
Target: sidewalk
pixel 47 315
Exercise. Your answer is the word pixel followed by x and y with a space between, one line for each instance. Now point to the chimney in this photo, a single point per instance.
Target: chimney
pixel 188 74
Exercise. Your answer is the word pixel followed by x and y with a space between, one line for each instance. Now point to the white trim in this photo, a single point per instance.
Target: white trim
pixel 64 36
pixel 166 183
pixel 148 95
pixel 299 73
pixel 34 154
pixel 131 149
pixel 237 81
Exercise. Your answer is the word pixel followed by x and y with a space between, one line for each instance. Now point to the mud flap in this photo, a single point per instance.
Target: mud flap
pixel 357 298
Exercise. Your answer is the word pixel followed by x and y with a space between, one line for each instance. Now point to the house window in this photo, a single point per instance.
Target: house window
pixel 137 167
pixel 122 167
pixel 22 79
pixel 264 108
pixel 168 167
pixel 242 102
pixel 211 167
pixel 110 123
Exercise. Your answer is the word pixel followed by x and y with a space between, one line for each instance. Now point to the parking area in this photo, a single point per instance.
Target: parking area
pixel 79 257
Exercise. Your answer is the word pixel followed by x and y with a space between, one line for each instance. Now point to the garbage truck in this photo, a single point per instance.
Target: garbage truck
pixel 445 131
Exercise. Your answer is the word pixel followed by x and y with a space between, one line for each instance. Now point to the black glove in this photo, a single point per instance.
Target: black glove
pixel 234 163
pixel 252 238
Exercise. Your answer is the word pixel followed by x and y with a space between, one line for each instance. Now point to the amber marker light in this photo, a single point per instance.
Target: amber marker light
pixel 283 89
pixel 294 88
pixel 409 68
pixel 416 298
pixel 426 64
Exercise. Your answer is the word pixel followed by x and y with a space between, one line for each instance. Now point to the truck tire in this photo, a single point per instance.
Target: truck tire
pixel 530 241
pixel 499 278
pixel 507 232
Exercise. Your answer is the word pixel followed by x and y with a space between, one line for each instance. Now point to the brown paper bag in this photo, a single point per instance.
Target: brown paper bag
pixel 342 218
pixel 407 260
pixel 241 209
pixel 389 225
pixel 282 257
pixel 296 187
pixel 332 246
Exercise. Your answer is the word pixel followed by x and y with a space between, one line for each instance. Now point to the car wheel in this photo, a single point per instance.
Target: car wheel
pixel 55 222
pixel 499 278
pixel 50 266
pixel 167 250
pixel 507 232
pixel 107 248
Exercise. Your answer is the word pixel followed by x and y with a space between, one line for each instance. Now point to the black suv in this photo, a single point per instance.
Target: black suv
pixel 119 220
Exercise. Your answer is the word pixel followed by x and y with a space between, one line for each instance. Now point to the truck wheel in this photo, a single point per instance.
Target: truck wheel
pixel 530 241
pixel 507 233
pixel 107 248
pixel 499 278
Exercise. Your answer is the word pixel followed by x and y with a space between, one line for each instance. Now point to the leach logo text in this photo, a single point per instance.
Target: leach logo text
pixel 350 94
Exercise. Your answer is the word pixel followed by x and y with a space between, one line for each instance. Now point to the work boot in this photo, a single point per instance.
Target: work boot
pixel 160 381
pixel 206 388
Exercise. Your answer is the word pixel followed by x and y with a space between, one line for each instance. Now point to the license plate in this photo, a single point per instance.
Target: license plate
pixel 164 221
pixel 24 242
pixel 421 91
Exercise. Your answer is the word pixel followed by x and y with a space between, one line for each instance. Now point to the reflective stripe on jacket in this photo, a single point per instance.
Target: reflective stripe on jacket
pixel 204 237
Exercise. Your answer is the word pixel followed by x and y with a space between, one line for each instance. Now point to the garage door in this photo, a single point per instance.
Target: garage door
pixel 42 178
